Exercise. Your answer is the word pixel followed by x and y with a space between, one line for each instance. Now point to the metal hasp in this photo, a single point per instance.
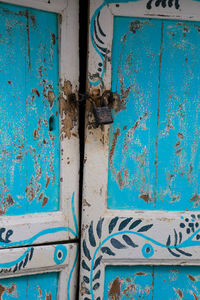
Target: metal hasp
pixel 103 113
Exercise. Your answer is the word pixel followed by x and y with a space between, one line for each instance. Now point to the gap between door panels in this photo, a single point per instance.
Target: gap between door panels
pixel 83 57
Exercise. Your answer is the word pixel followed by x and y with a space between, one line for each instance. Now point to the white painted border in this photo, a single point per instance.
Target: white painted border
pixel 96 162
pixel 43 262
pixel 26 226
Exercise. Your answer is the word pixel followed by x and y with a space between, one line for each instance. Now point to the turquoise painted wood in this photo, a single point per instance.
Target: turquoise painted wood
pixel 154 142
pixel 152 283
pixel 29 111
pixel 32 287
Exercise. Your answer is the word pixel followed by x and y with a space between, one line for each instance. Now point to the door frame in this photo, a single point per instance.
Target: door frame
pixel 100 225
pixel 62 225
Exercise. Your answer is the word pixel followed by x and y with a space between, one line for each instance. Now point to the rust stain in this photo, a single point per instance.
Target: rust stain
pixel 175 270
pixel 47 182
pixel 140 274
pixel 49 296
pixel 41 196
pixel 145 197
pixel 35 91
pixel 191 278
pixel 28 34
pixel 9 200
pixel 39 290
pixel 116 134
pixel 68 111
pixel 114 291
pixel 135 25
pixel 179 151
pixel 180 135
pixel 153 279
pixel 53 38
pixel 179 292
pixel 19 157
pixel 124 93
pixel 130 288
pixel 51 97
pixel 2 290
pixel 9 290
pixel 35 134
pixel 33 19
pixel 195 296
pixel 85 203
pixel 177 144
pixel 45 200
pixel 195 199
pixel 33 188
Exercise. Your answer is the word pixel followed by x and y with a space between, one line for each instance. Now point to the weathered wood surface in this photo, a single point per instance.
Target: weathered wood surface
pixel 141 206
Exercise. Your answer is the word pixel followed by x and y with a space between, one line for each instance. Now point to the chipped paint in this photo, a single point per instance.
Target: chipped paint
pixel 149 135
pixel 68 111
pixel 31 286
pixel 144 282
pixel 27 146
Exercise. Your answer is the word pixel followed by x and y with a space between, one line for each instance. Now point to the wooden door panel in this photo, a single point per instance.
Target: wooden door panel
pixel 147 282
pixel 158 168
pixel 131 175
pixel 141 205
pixel 29 98
pixel 39 142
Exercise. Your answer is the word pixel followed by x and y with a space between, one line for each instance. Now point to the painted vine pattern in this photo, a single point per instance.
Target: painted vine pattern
pixel 121 234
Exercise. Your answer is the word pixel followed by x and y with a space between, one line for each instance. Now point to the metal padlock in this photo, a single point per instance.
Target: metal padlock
pixel 102 114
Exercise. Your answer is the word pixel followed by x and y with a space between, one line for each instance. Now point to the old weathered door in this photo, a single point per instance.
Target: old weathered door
pixel 39 148
pixel 141 213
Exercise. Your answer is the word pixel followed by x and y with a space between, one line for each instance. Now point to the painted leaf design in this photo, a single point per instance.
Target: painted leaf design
pixel 124 223
pixel 168 241
pixel 97 275
pixel 99 227
pixel 112 224
pixel 86 279
pixel 129 241
pixel 91 235
pixel 107 251
pixel 135 224
pixel 20 264
pixel 176 238
pixel 97 262
pixel 85 266
pixel 26 260
pixel 96 286
pixel 86 250
pixel 117 244
pixel 31 253
pixel 173 253
pixel 86 291
pixel 145 228
pixel 183 252
pixel 15 268
pixel 180 237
